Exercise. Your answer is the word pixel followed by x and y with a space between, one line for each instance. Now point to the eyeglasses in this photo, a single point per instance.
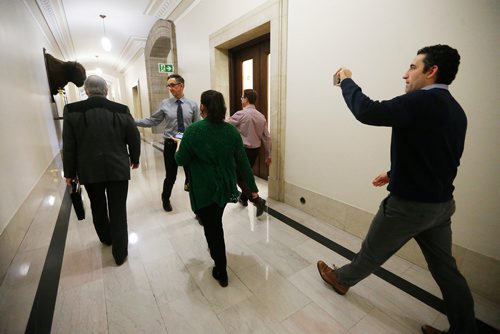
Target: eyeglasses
pixel 172 85
pixel 243 97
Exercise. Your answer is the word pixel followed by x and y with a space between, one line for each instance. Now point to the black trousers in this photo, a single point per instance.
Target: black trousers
pixel 211 217
pixel 169 148
pixel 252 154
pixel 108 202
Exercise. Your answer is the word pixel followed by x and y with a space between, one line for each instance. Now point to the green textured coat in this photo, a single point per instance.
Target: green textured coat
pixel 212 152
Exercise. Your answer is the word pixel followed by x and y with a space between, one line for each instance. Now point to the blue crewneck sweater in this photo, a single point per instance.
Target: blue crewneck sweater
pixel 428 134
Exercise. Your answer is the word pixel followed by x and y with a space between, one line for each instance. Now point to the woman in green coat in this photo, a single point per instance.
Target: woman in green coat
pixel 212 150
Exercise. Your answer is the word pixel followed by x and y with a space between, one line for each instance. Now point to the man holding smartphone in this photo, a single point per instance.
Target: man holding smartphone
pixel 428 134
pixel 178 112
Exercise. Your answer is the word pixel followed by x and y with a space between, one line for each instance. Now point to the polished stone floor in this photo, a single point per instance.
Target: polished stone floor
pixel 166 286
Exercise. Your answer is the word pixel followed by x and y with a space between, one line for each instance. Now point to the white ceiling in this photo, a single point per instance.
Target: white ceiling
pixel 75 28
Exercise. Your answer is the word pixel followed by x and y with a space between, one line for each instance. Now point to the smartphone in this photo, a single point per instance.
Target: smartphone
pixel 336 80
pixel 179 135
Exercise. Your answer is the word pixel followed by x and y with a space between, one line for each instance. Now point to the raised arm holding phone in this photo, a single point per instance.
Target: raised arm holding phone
pixel 428 134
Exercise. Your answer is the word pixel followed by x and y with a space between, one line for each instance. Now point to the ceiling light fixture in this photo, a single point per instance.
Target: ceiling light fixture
pixel 98 70
pixel 105 42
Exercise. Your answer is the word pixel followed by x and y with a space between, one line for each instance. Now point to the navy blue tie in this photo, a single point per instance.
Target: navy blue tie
pixel 180 117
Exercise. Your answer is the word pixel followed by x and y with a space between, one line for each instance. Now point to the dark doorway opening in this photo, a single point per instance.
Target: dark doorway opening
pixel 249 68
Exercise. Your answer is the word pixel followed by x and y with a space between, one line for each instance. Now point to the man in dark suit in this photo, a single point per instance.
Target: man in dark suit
pixel 96 135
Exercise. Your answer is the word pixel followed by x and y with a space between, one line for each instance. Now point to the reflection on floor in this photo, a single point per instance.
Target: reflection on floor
pixel 166 286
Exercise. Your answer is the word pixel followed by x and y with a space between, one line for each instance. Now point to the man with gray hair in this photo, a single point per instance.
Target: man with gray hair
pixel 100 144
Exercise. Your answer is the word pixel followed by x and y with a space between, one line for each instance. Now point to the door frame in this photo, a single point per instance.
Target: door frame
pixel 136 99
pixel 269 18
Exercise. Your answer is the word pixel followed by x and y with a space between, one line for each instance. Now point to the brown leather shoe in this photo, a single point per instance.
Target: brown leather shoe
pixel 426 329
pixel 328 275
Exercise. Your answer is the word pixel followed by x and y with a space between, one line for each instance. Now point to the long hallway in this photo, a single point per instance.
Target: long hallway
pixel 166 286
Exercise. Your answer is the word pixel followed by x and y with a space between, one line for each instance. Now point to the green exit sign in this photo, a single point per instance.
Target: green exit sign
pixel 165 68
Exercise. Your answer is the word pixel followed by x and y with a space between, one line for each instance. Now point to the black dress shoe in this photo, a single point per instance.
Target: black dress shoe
pixel 198 218
pixel 107 243
pixel 243 200
pixel 167 206
pixel 426 329
pixel 221 277
pixel 261 206
pixel 120 261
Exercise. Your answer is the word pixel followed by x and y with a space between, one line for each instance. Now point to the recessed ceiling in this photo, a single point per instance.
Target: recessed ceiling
pixel 77 28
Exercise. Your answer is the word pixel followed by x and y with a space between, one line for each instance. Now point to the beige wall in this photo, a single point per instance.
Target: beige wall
pixel 193 31
pixel 135 75
pixel 29 133
pixel 377 41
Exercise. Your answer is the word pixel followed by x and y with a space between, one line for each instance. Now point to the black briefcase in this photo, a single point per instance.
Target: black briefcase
pixel 76 198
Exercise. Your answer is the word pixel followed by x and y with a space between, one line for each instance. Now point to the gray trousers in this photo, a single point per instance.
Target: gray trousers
pixel 396 222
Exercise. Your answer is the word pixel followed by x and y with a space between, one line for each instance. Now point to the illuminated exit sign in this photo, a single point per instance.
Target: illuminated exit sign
pixel 165 68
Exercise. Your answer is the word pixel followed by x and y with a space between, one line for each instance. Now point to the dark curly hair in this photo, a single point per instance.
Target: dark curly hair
pixel 445 58
pixel 214 104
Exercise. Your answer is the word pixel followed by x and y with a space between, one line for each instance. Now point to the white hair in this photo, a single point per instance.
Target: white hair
pixel 95 85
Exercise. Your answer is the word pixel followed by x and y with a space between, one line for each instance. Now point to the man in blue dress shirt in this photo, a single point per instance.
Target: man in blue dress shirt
pixel 178 112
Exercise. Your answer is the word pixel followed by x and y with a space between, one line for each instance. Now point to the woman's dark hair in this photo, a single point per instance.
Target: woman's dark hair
pixel 445 58
pixel 215 107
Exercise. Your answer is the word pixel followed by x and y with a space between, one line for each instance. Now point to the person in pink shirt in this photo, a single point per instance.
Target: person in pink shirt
pixel 252 126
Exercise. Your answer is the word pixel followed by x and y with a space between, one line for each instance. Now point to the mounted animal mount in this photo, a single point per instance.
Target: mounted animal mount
pixel 59 73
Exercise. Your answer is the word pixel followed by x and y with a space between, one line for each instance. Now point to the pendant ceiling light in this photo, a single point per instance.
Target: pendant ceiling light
pixel 98 70
pixel 105 42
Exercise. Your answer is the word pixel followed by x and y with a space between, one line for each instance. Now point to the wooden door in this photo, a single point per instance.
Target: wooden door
pixel 249 68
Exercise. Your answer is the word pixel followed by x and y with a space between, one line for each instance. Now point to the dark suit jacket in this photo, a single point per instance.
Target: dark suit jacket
pixel 96 134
